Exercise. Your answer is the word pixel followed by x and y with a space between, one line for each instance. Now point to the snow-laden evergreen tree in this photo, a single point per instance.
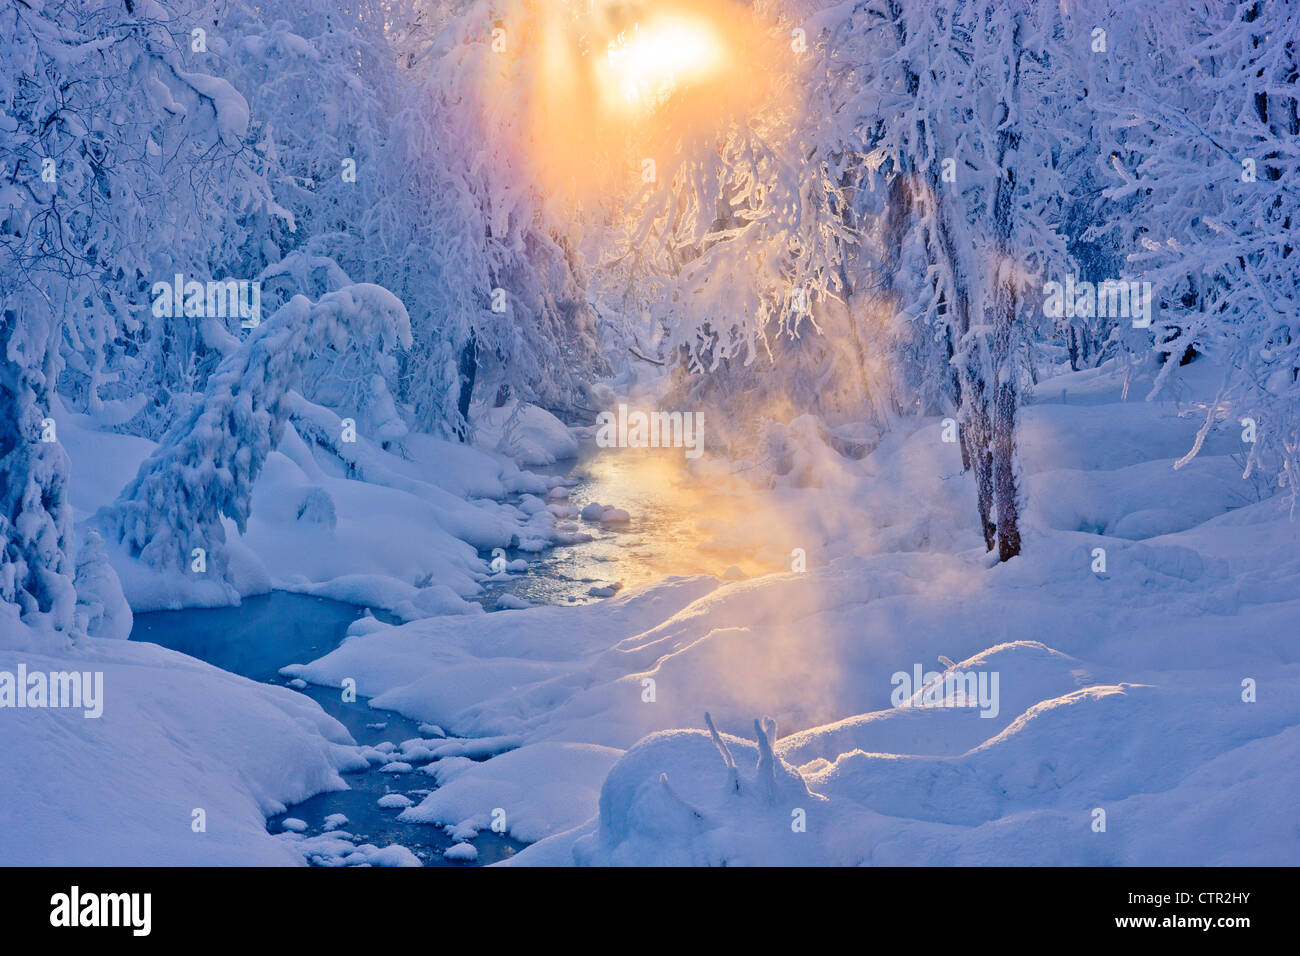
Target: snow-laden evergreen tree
pixel 170 516
pixel 36 573
pixel 118 167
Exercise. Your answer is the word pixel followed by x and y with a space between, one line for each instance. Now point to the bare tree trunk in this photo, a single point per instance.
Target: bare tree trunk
pixel 1006 307
pixel 977 435
pixel 1006 399
pixel 468 371
pixel 972 394
pixel 968 381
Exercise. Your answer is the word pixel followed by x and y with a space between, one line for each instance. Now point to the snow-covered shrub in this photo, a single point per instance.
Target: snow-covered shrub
pixel 204 470
pixel 317 507
pixel 102 609
pixel 35 516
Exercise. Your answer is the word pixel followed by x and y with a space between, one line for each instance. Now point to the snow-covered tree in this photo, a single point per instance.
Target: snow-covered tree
pixel 1216 175
pixel 171 514
pixel 491 273
pixel 919 173
pixel 123 165
pixel 36 573
pixel 118 166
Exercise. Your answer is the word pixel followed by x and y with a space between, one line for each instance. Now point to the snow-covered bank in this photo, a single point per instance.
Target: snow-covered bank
pixel 181 769
pixel 178 736
pixel 1144 698
pixel 1156 683
pixel 398 529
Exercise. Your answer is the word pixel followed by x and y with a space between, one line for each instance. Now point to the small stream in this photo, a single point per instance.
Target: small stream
pixel 266 633
pixel 671 530
pixel 668 533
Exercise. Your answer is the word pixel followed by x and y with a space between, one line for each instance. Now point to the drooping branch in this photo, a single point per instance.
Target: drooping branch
pixel 206 467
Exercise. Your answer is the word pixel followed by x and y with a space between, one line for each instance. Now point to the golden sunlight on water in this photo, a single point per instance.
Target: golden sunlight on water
pixel 678 525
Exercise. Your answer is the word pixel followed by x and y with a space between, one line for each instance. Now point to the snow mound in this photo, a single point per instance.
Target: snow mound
pixel 461 852
pixel 340 848
pixel 605 514
pixel 568 775
pixel 222 754
pixel 530 435
pixel 690 798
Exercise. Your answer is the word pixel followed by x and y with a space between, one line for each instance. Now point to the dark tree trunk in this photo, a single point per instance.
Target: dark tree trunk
pixel 976 429
pixel 973 414
pixel 468 372
pixel 1006 306
pixel 1006 399
pixel 968 378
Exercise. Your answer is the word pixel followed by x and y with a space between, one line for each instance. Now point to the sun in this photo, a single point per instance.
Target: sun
pixel 610 84
pixel 650 62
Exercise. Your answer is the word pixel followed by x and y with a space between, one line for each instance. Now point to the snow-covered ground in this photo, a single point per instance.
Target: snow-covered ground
pixel 405 538
pixel 1112 723
pixel 177 735
pixel 1144 713
pixel 182 768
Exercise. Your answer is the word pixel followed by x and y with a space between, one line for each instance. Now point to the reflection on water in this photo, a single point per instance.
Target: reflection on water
pixel 678 525
pixel 257 638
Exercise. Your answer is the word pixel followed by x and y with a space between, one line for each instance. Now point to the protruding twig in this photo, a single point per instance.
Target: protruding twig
pixel 726 753
pixel 644 358
pixel 766 733
pixel 672 795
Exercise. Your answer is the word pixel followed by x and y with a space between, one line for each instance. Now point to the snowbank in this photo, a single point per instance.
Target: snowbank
pixel 528 434
pixel 1123 690
pixel 180 745
pixel 541 789
pixel 399 529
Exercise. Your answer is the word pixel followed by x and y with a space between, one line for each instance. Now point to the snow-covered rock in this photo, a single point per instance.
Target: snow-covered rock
pixel 461 853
